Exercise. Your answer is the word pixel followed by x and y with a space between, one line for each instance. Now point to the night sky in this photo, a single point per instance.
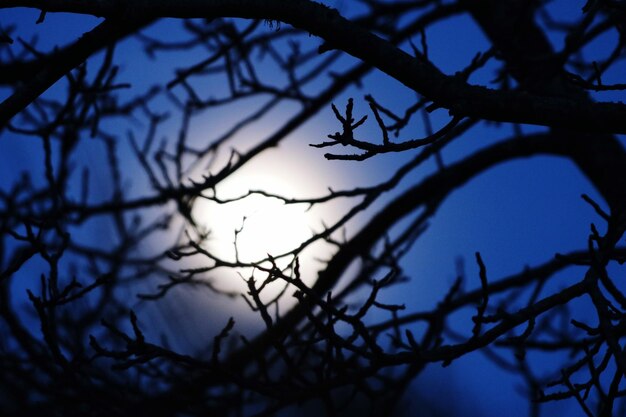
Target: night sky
pixel 517 214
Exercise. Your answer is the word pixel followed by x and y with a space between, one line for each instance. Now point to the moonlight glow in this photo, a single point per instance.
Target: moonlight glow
pixel 257 224
pixel 262 225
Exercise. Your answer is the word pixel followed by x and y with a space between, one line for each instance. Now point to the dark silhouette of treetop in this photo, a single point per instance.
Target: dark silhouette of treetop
pixel 271 207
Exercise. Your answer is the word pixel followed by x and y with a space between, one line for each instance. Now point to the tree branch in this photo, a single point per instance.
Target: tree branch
pixel 453 93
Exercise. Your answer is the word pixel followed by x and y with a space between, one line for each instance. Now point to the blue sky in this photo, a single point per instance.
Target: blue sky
pixel 518 214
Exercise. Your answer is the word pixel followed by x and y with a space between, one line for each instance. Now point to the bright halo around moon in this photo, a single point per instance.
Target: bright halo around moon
pixel 249 229
pixel 260 225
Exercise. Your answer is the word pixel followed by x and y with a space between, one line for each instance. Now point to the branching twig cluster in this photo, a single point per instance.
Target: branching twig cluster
pixel 102 240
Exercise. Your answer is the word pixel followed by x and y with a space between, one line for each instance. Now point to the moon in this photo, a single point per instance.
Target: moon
pixel 249 229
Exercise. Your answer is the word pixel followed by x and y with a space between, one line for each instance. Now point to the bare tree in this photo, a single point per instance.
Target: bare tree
pixel 93 269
